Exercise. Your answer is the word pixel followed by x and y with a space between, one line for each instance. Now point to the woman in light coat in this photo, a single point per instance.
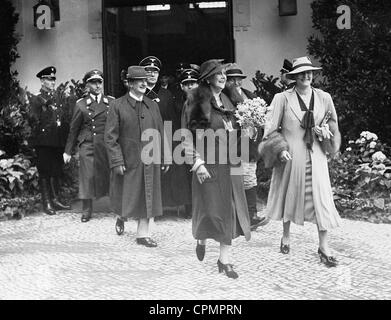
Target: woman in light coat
pixel 300 188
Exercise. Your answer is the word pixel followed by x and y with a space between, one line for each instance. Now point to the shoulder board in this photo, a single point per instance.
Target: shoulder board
pixel 79 100
pixel 111 97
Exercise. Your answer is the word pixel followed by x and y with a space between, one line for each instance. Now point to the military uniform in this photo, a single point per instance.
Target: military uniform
pixel 174 192
pixel 50 125
pixel 87 132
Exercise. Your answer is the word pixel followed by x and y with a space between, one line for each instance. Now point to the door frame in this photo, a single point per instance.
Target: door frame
pixel 125 3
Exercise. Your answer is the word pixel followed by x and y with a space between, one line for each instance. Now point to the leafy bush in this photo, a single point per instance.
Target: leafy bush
pixel 8 52
pixel 18 207
pixel 17 177
pixel 362 177
pixel 356 63
pixel 266 86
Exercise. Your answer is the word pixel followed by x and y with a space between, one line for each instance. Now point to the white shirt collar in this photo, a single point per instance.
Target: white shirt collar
pixel 134 97
pixel 99 97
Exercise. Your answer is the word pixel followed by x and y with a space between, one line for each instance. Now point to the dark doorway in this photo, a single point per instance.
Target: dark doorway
pixel 179 31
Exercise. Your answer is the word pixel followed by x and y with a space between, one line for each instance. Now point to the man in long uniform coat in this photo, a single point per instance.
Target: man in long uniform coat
pixel 49 130
pixel 87 131
pixel 135 189
pixel 174 192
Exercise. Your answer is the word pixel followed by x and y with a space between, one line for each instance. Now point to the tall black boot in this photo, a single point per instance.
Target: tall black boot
pixel 54 188
pixel 45 197
pixel 87 210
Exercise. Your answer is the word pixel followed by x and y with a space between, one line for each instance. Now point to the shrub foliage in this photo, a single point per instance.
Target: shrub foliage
pixel 356 63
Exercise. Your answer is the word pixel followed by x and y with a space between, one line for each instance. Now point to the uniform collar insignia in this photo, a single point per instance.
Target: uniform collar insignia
pixel 105 100
pixel 156 99
pixel 89 101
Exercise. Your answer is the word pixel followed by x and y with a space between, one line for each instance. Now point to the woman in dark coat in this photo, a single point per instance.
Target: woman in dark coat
pixel 219 201
pixel 135 189
pixel 87 129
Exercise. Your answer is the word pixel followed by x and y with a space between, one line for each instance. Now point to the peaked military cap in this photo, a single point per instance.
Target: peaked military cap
pixel 49 73
pixel 93 74
pixel 151 62
pixel 189 75
pixel 287 66
pixel 182 66
pixel 136 72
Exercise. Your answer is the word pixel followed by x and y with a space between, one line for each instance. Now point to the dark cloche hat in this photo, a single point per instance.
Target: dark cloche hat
pixel 92 75
pixel 189 75
pixel 136 72
pixel 211 67
pixel 151 62
pixel 49 73
pixel 287 66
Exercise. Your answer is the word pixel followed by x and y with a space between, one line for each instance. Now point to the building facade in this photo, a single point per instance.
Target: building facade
pixel 112 34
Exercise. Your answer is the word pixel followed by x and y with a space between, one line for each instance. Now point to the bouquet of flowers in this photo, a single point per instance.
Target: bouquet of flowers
pixel 252 113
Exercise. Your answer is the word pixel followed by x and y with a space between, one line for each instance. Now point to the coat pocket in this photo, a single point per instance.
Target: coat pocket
pixel 212 169
pixel 131 152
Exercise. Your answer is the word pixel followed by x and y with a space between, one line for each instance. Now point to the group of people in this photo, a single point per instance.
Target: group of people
pixel 109 135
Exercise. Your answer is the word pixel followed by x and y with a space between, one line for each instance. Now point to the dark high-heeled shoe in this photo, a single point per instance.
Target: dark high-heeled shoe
pixel 119 226
pixel 200 251
pixel 284 248
pixel 329 261
pixel 228 269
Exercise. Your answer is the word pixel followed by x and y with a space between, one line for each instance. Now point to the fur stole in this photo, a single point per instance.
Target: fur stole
pixel 271 147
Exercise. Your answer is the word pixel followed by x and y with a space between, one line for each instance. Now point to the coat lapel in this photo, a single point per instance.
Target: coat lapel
pixel 100 107
pixel 319 107
pixel 293 103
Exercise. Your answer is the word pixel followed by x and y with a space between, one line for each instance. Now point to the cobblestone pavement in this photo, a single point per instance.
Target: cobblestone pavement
pixel 58 257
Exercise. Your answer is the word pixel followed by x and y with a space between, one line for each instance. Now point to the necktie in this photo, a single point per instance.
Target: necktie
pixel 307 123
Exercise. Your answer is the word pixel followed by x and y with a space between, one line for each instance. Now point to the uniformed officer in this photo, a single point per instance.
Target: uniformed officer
pixel 87 132
pixel 174 193
pixel 188 81
pixel 49 131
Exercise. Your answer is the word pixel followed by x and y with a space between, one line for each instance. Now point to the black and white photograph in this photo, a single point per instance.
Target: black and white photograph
pixel 211 153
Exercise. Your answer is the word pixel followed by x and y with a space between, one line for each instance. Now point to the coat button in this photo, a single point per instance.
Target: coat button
pixel 93 127
pixel 43 130
pixel 94 134
pixel 92 120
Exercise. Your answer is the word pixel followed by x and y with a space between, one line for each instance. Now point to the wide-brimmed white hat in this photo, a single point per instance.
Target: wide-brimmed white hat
pixel 301 64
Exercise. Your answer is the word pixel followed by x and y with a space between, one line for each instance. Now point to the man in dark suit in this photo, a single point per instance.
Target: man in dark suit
pixel 87 132
pixel 174 193
pixel 49 131
pixel 135 181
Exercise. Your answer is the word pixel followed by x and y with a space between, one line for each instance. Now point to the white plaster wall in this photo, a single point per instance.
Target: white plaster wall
pixel 271 38
pixel 70 46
